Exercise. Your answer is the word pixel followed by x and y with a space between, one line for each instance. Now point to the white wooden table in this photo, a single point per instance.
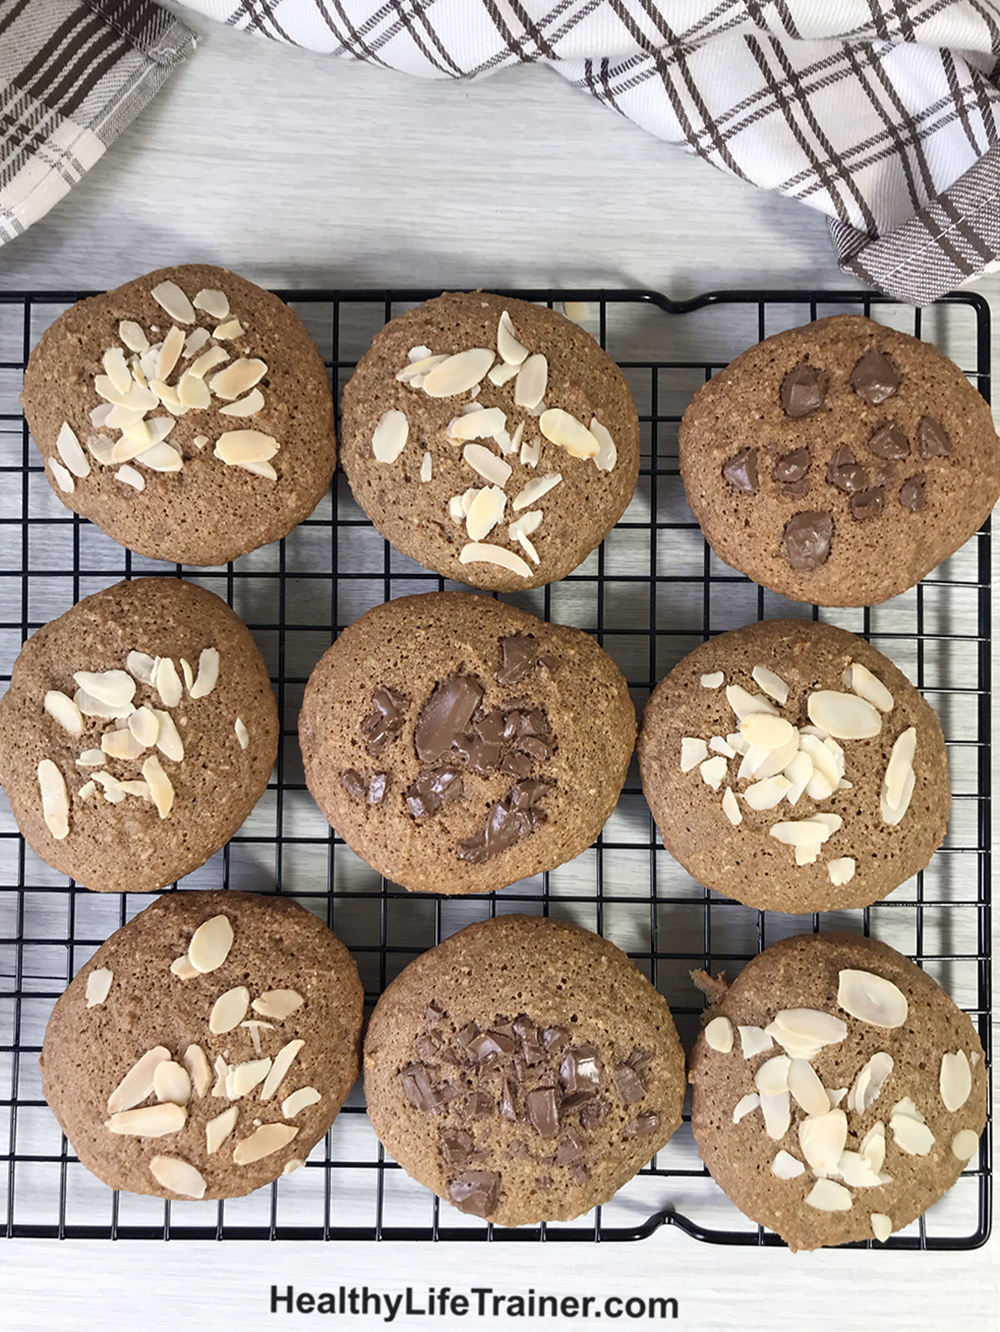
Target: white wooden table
pixel 297 171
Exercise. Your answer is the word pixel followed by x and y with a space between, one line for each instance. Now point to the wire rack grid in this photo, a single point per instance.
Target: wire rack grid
pixel 649 594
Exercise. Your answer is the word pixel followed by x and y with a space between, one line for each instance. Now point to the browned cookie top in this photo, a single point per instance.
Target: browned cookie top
pixel 839 462
pixel 206 1047
pixel 187 413
pixel 138 732
pixel 789 765
pixel 838 1091
pixel 524 1070
pixel 490 439
pixel 458 744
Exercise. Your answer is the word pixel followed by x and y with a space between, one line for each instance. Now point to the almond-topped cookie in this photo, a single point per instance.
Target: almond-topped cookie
pixel 188 414
pixel 491 439
pixel 837 1090
pixel 790 765
pixel 458 744
pixel 524 1070
pixel 840 462
pixel 206 1047
pixel 138 732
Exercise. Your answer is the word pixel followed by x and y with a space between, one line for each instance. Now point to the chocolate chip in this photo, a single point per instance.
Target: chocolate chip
pixel 534 748
pixel 376 787
pixel 868 504
pixel 475 1192
pixel 889 441
pixel 478 1104
pixel 580 1070
pixel 550 663
pixel 593 1113
pixel 525 794
pixel 571 1147
pixel 385 721
pixel 482 756
pixel 933 440
pixel 741 471
pixel 516 765
pixel 803 390
pixel 418 1088
pixel 643 1126
pixel 445 717
pixel 874 378
pixel 458 1147
pixel 466 1035
pixel 434 1011
pixel 503 828
pixel 579 1173
pixel 517 1151
pixel 630 1085
pixel 490 1045
pixel 792 467
pixel 531 1047
pixel 555 1039
pixel 518 654
pixel 807 539
pixel 543 1182
pixel 508 1109
pixel 845 472
pixel 354 784
pixel 543 1111
pixel 913 492
pixel 427 1046
pixel 432 789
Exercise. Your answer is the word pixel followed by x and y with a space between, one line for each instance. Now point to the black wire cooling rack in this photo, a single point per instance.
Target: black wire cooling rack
pixel 650 593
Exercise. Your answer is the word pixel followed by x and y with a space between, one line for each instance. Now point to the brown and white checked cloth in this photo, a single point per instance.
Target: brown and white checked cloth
pixel 882 114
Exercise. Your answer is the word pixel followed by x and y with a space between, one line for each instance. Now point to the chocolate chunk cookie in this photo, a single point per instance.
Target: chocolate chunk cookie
pixel 458 744
pixel 188 414
pixel 791 766
pixel 490 439
pixel 838 1091
pixel 138 732
pixel 524 1070
pixel 840 462
pixel 206 1048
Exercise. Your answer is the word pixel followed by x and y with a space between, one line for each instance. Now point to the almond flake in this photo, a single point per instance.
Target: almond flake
pixel 208 673
pixel 524 526
pixel 229 1010
pixel 485 512
pixel 62 478
pixel 131 477
pixel 802 832
pixel 841 871
pixel 142 666
pixel 172 299
pixel 419 368
pixel 137 1083
pixel 64 710
pixel 278 1004
pixel 124 418
pixel 771 684
pixel 745 1105
pixel 786 1166
pixel 221 1075
pixel 777 1114
pixel 530 385
pixel 193 392
pixel 291 1166
pixel 844 716
pixel 242 1078
pixel 487 464
pixel 217 1130
pixel 121 745
pixel 799 773
pixel 811 1025
pixel 881 1226
pixel 806 1088
pixel 55 801
pixel 132 335
pixel 71 452
pixel 771 1079
pixel 299 1100
pixel 94 707
pixel 171 1082
pixel 854 1170
pixel 282 1063
pixel 860 679
pixel 873 1146
pixel 502 373
pixel 161 458
pixel 116 369
pixel 768 793
pixel 211 943
pixel 242 735
pixel 99 415
pixel 160 785
pixel 208 360
pixel 719 1034
pixel 144 726
pixel 196 1063
pixel 170 354
pixel 98 986
pixel 255 1029
pixel 167 683
pixel 188 673
pixel 476 552
pixel 101 447
pixel 168 740
pixel 964 1144
pixel 269 1138
pixel 178 1177
pixel 232 328
pixel 508 346
pixel 137 788
pixel 745 704
pixel 458 373
pixel 248 406
pixel 213 302
pixel 390 437
pixel 569 433
pixel 260 469
pixel 955 1080
pixel 872 999
pixel 534 490
pixel 239 447
pixel 754 1041
pixel 713 771
pixel 911 1137
pixel 829 1196
pixel 531 451
pixel 114 794
pixel 486 423
pixel 731 808
pixel 899 781
pixel 149 1121
pixel 867 1086
pixel 237 378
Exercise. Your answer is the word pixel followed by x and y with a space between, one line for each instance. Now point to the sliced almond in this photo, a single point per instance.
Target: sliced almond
pixel 478 552
pixel 868 686
pixel 242 735
pixel 282 1063
pixel 229 1010
pixel 237 378
pixel 745 704
pixel 530 385
pixel 221 1077
pixel 239 447
pixel 607 454
pixel 811 1025
pixel 122 418
pixel 868 1084
pixel 390 436
pixel 807 1089
pixel 786 1166
pixel 897 786
pixel 248 406
pixel 822 1138
pixel 855 1171
pixel 534 490
pixel 149 1121
pixel 161 458
pixel 55 801
pixel 94 707
pixel 569 433
pixel 98 986
pixel 278 1004
pixel 71 451
pixel 188 673
pixel 61 476
pixel 508 346
pixel 841 871
pixel 116 688
pixel 242 1078
pixel 131 477
pixel 712 680
pixel 177 1176
pixel 872 999
pixel 260 469
pixel 172 1082
pixel 168 683
pixel 531 450
pixel 195 341
pixel 964 1144
pixel 101 447
pixel 208 673
pixel 502 373
pixel 299 1101
pixel 196 1062
pixel 172 299
pixel 226 332
pixel 745 1105
pixel 772 1077
pixel 64 710
pixel 955 1080
pixel 844 716
pixel 754 1041
pixel 731 808
pixel 713 771
pixel 268 1138
pixel 211 943
pixel 213 302
pixel 768 793
pixel 132 335
pixel 881 1226
pixel 193 392
pixel 114 792
pixel 771 684
pixel 217 1130
pixel 873 1146
pixel 168 740
pixel 777 1114
pixel 911 1137
pixel 459 373
pixel 486 423
pixel 99 415
pixel 116 368
pixel 160 785
pixel 121 745
pixel 524 526
pixel 91 758
pixel 486 511
pixel 829 1196
pixel 719 1034
pixel 137 1084
pixel 137 788
pixel 208 360
pixel 767 731
pixel 170 354
pixel 487 464
pixel 144 726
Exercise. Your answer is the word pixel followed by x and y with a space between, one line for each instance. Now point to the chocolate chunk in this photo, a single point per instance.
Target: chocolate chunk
pixel 792 467
pixel 482 756
pixel 571 1147
pixel 457 1145
pixel 534 748
pixel 518 654
pixel 543 1111
pixel 434 1011
pixel 913 492
pixel 643 1126
pixel 543 1182
pixel 807 539
pixel 580 1070
pixel 889 441
pixel 874 378
pixel 475 1192
pixel 466 1035
pixel 449 1091
pixel 555 1039
pixel 741 471
pixel 593 1113
pixel 845 472
pixel 579 1173
pixel 427 1046
pixel 432 789
pixel 419 1091
pixel 630 1085
pixel 385 721
pixel 803 390
pixel 376 787
pixel 354 784
pixel 516 765
pixel 503 828
pixel 445 717
pixel 868 504
pixel 525 794
pixel 489 727
pixel 478 1104
pixel 508 1109
pixel 517 1151
pixel 490 1045
pixel 933 440
pixel 550 663
pixel 531 1046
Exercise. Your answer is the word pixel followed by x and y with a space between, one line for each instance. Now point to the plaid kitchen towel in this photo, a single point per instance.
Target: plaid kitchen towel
pixel 73 73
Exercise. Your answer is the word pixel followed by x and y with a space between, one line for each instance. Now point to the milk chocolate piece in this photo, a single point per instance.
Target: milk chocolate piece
pixel 807 539
pixel 629 1084
pixel 550 663
pixel 593 1113
pixel 803 390
pixel 445 717
pixel 889 441
pixel 579 1172
pixel 517 1151
pixel 385 721
pixel 531 1047
pixel 580 1070
pixel 543 1112
pixel 555 1039
pixel 913 492
pixel 643 1126
pixel 354 784
pixel 933 440
pixel 571 1147
pixel 508 1108
pixel 516 765
pixel 792 467
pixel 432 789
pixel 867 504
pixel 845 472
pixel 534 748
pixel 427 1046
pixel 874 378
pixel 505 824
pixel 434 1011
pixel 518 654
pixel 458 1147
pixel 418 1089
pixel 376 787
pixel 543 1182
pixel 478 1104
pixel 741 471
pixel 475 1192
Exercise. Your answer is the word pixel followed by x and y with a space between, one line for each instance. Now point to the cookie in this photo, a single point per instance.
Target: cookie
pixel 523 1070
pixel 207 1047
pixel 492 440
pixel 458 744
pixel 837 1090
pixel 138 732
pixel 840 462
pixel 188 414
pixel 791 766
